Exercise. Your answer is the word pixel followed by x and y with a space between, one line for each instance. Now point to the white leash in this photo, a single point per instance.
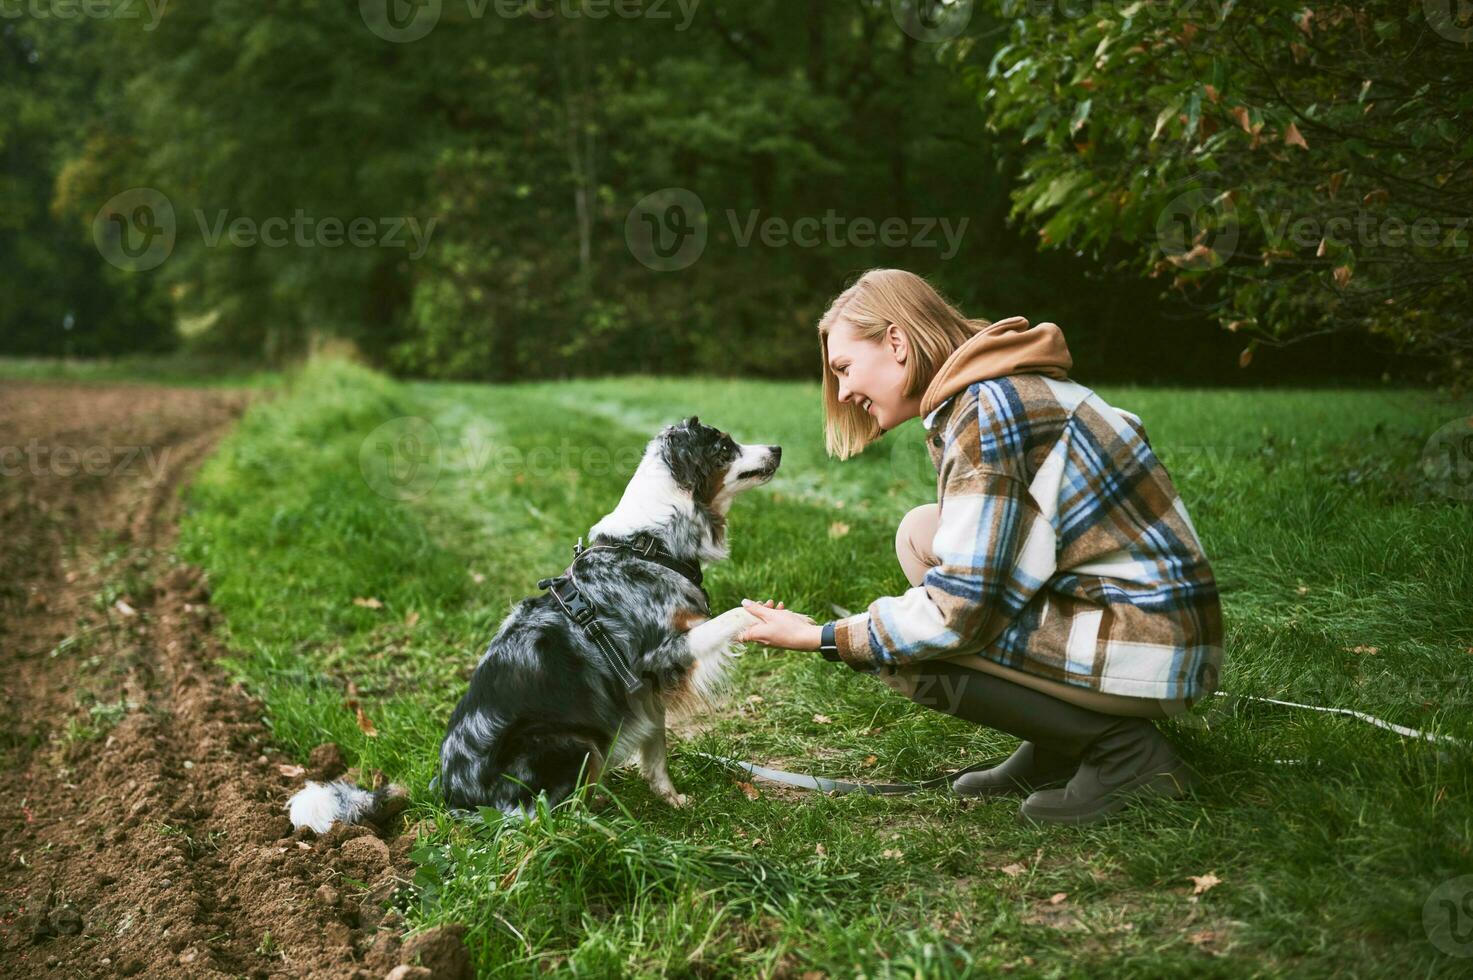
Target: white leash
pixel 1402 730
pixel 842 786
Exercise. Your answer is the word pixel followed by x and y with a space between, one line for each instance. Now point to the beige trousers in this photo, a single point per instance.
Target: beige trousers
pixel 913 548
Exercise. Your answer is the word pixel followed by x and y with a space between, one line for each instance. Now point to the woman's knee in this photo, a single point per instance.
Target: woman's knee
pixel 913 541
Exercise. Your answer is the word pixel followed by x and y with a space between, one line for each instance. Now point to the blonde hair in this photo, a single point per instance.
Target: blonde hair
pixel 932 326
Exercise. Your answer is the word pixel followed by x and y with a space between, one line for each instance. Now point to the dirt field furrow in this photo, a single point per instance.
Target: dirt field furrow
pixel 142 829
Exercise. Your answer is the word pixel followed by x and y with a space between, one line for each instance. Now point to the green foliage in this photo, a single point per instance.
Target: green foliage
pixel 1292 169
pixel 57 295
pixel 1312 506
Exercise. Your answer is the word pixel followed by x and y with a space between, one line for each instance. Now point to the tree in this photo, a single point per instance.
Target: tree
pixel 1292 168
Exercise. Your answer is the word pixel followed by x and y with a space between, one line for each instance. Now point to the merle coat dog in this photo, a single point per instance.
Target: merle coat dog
pixel 547 706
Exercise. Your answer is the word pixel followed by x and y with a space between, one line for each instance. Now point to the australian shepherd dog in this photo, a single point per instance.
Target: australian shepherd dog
pixel 579 680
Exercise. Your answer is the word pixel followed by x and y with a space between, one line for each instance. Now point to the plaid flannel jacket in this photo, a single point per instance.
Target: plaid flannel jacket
pixel 1065 551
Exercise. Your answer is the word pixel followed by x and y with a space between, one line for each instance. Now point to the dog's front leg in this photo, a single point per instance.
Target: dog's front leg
pixel 652 764
pixel 719 633
pixel 711 639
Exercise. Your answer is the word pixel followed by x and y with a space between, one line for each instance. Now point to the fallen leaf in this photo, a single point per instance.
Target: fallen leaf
pixel 478 578
pixel 1202 938
pixel 369 603
pixel 1013 870
pixel 290 771
pixel 892 853
pixel 822 720
pixel 124 608
pixel 870 760
pixel 411 620
pixel 754 699
pixel 758 842
pixel 1362 649
pixel 1057 898
pixel 1202 883
pixel 819 849
pixel 1303 590
pixel 751 791
pixel 364 723
pixel 838 529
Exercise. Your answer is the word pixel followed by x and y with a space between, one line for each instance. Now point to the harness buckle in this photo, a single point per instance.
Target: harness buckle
pixel 580 610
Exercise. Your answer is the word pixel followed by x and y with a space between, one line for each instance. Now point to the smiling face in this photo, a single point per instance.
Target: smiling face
pixel 871 374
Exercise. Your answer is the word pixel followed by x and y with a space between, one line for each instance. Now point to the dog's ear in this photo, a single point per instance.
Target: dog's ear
pixel 692 422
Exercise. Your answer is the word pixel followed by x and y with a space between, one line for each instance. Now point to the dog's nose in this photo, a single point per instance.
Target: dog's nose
pixel 777 454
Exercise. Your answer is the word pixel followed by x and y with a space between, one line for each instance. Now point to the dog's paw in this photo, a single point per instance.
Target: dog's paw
pixel 675 799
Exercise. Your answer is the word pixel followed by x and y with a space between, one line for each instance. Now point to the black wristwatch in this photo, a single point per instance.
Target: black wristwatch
pixel 826 644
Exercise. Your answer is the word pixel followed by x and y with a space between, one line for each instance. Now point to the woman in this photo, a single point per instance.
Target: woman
pixel 1060 593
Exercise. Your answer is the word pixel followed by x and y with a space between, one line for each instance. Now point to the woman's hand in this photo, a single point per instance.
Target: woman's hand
pixel 781 627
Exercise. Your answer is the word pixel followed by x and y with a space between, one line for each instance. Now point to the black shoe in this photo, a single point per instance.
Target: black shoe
pixel 1029 768
pixel 1132 761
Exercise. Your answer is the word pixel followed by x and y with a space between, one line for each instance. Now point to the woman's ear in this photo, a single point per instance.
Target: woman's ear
pixel 897 342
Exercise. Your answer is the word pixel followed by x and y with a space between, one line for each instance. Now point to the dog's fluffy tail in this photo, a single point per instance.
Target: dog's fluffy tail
pixel 320 805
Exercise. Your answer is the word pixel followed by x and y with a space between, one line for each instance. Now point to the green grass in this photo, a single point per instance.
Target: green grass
pixel 163 369
pixel 1325 538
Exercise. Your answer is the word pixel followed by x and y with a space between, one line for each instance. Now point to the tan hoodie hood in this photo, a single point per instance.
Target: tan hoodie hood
pixel 1006 347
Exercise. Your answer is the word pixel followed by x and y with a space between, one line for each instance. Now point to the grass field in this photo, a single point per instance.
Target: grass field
pixel 1346 581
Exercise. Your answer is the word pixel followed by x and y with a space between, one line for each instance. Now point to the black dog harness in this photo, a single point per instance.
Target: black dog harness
pixel 564 589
